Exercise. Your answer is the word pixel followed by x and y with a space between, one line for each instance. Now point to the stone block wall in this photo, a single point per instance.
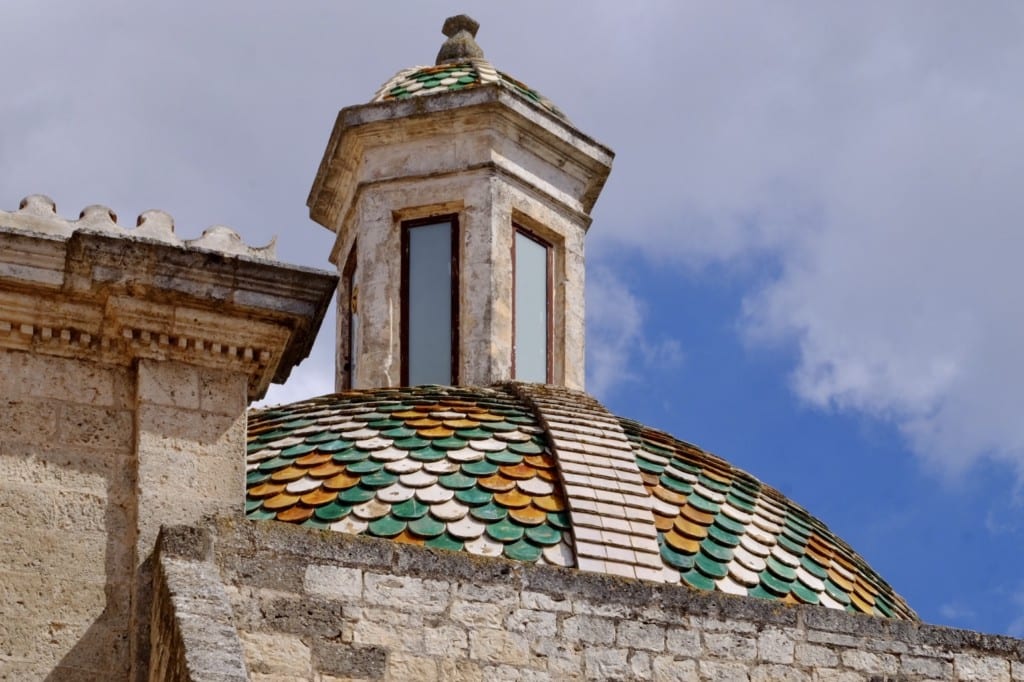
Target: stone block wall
pixel 319 605
pixel 94 457
pixel 66 517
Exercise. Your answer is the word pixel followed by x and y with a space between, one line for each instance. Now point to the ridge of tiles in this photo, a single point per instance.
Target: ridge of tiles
pixel 427 80
pixel 722 529
pixel 609 507
pixel 450 468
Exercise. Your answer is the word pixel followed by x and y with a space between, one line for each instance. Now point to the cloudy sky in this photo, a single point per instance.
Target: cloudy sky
pixel 807 258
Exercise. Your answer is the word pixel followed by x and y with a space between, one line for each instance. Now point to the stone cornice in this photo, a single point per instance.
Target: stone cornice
pixel 482 110
pixel 116 298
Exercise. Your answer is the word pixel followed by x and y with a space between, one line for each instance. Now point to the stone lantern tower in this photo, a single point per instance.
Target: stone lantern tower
pixel 460 199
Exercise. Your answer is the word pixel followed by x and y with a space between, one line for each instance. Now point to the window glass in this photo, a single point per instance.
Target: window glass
pixel 531 309
pixel 428 298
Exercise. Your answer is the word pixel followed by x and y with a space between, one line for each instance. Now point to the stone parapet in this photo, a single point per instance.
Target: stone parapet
pixel 192 634
pixel 113 296
pixel 310 605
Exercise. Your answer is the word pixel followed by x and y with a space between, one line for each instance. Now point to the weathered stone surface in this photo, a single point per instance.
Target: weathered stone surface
pixel 334 582
pixel 775 645
pixel 498 646
pixel 635 635
pixel 436 625
pixel 976 667
pixel 345 660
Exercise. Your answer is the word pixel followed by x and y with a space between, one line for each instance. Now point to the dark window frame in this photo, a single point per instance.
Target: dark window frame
pixel 407 225
pixel 348 348
pixel 518 229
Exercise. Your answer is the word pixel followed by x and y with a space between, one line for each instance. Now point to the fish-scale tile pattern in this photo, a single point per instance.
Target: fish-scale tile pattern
pixel 609 506
pixel 426 80
pixel 722 529
pixel 441 467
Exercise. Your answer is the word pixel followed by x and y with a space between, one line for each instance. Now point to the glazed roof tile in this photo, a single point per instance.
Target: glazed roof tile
pixel 447 468
pixel 418 81
pixel 545 475
pixel 721 528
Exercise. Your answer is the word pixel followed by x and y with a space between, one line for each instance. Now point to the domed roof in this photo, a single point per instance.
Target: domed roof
pixel 428 80
pixel 542 474
pixel 460 65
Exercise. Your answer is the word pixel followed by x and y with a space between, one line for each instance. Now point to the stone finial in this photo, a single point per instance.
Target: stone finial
pixel 461 44
pixel 224 239
pixel 98 217
pixel 156 225
pixel 38 204
pixel 37 213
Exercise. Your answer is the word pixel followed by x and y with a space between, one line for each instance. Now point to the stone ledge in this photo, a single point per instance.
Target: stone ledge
pixel 192 633
pixel 268 541
pixel 114 298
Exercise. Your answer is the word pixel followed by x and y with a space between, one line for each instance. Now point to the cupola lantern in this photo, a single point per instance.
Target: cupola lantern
pixel 460 199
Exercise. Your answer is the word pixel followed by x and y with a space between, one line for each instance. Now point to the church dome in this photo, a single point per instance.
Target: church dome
pixel 545 475
pixel 460 65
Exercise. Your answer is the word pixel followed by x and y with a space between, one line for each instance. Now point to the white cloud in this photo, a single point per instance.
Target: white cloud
pixel 618 349
pixel 876 156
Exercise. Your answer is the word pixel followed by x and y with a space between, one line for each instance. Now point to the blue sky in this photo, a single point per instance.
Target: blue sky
pixel 806 259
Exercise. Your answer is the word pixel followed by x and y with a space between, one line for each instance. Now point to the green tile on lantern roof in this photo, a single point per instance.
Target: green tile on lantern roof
pixel 357 494
pixel 780 570
pixel 698 580
pixel 428 454
pixel 255 477
pixel 349 456
pixel 775 585
pixel 503 457
pixel 790 546
pixel 410 509
pixel 674 558
pixel 386 526
pixel 528 448
pixel 378 479
pixel 723 537
pixel 505 530
pixel 427 526
pixel 457 481
pixel 336 445
pixel 715 551
pixel 649 466
pixel 334 511
pixel 559 520
pixel 544 534
pixel 365 466
pixel 489 512
pixel 481 468
pixel 474 496
pixel 445 541
pixel 522 550
pixel 675 485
